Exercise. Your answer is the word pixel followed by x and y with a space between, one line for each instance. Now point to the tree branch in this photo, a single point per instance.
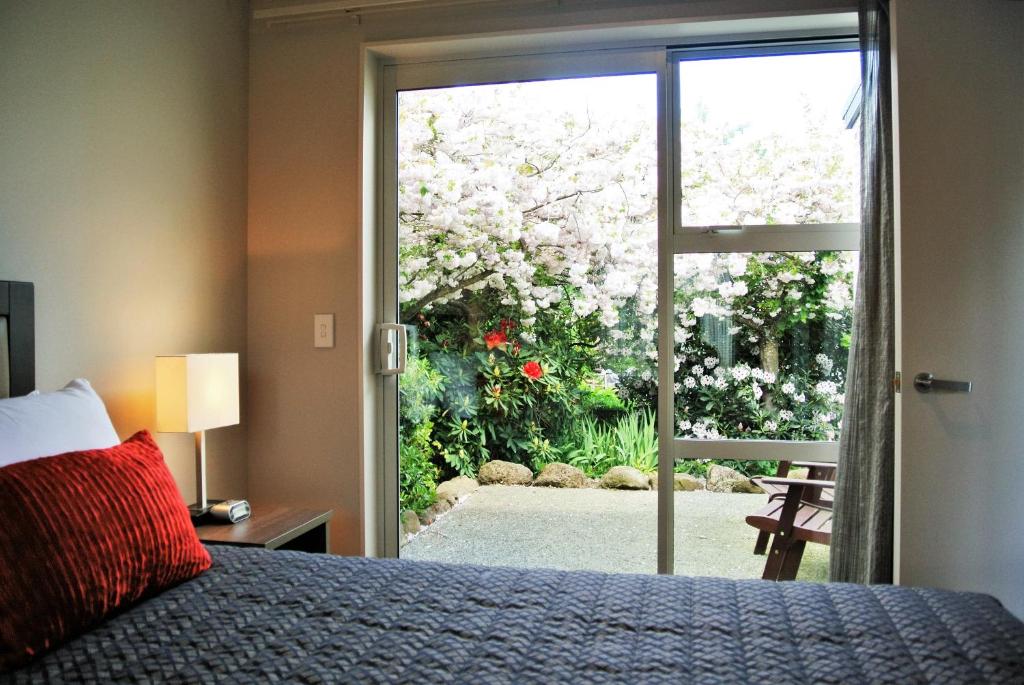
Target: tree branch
pixel 575 193
pixel 444 291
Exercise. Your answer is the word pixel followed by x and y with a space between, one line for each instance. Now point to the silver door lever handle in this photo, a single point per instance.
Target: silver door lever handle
pixel 925 382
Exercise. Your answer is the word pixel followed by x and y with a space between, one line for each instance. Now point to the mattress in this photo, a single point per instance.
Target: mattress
pixel 260 616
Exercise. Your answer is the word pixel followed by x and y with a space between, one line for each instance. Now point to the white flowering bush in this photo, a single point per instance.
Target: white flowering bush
pixel 784 320
pixel 787 318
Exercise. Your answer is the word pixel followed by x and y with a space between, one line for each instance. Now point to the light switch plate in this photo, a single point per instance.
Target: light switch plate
pixel 323 330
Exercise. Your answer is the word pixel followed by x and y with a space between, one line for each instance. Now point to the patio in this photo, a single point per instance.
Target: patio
pixel 604 530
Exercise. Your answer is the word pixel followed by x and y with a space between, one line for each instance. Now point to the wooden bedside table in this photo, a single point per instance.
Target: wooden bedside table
pixel 302 530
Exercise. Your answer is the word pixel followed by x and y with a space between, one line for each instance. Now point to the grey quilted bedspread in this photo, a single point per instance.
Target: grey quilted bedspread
pixel 264 617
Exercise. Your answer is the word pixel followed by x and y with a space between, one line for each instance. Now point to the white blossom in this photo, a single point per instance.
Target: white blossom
pixel 826 388
pixel 740 372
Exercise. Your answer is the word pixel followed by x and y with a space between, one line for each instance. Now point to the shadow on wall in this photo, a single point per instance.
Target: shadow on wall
pixel 304 420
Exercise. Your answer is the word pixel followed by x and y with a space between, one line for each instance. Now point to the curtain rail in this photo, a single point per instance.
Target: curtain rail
pixel 333 9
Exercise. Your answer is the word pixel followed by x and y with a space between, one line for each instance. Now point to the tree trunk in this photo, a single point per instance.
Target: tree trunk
pixel 770 356
pixel 770 363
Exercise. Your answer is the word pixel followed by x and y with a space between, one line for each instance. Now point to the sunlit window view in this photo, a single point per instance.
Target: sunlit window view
pixel 528 252
pixel 766 140
pixel 762 339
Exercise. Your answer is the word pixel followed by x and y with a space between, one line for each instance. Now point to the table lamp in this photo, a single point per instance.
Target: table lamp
pixel 194 393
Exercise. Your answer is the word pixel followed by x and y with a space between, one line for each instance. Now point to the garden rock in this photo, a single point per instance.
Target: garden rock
pixel 434 511
pixel 410 522
pixel 455 489
pixel 559 475
pixel 681 482
pixel 499 472
pixel 688 483
pixel 725 479
pixel 625 478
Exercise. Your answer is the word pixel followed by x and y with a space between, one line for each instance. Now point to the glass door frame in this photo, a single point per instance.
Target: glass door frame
pixel 673 239
pixel 609 62
pixel 844 237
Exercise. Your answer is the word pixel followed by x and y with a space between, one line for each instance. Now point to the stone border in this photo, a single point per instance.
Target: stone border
pixel 451 493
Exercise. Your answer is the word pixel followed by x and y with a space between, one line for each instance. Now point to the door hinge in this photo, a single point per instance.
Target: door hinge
pixel 897 382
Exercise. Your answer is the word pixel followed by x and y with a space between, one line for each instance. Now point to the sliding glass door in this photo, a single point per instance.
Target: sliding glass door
pixel 767 165
pixel 609 272
pixel 523 226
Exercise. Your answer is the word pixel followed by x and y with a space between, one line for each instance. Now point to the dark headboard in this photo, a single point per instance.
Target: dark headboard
pixel 17 339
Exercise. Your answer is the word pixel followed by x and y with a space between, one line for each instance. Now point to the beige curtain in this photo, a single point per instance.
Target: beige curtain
pixel 862 529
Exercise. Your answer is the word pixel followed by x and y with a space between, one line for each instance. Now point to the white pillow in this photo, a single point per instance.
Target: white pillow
pixel 45 424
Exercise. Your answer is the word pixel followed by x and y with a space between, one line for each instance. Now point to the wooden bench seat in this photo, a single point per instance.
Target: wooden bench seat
pixel 794 517
pixel 816 470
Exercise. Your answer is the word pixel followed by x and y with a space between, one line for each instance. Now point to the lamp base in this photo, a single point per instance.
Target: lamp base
pixel 196 511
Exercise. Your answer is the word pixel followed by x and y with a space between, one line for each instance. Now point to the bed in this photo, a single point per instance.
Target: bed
pixel 273 616
pixel 259 616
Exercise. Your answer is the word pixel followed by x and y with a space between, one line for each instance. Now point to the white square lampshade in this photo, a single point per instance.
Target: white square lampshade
pixel 196 392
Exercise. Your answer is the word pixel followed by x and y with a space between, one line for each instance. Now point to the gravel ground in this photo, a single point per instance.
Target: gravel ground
pixel 603 530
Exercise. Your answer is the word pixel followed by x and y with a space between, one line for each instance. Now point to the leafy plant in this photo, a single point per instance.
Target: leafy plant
pixel 636 440
pixel 417 472
pixel 601 402
pixel 503 395
pixel 630 441
pixel 592 447
pixel 420 388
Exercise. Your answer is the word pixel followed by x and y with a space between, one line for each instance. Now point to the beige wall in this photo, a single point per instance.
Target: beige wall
pixel 305 232
pixel 960 204
pixel 123 196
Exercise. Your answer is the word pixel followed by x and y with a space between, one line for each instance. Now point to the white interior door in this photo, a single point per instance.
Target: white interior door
pixel 959 115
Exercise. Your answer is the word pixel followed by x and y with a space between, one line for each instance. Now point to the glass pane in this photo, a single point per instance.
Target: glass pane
pixel 764 140
pixel 762 342
pixel 528 281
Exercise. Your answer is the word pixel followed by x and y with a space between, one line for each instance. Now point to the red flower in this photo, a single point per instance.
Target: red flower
pixel 532 370
pixel 516 346
pixel 507 325
pixel 495 339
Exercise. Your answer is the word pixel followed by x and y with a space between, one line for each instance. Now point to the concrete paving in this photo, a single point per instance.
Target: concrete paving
pixel 603 530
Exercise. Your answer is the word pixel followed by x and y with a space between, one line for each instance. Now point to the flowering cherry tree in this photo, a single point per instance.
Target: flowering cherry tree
pixel 504 188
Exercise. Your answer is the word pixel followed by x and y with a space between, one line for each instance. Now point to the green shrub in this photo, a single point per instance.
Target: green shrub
pixel 503 394
pixel 700 467
pixel 601 403
pixel 419 387
pixel 417 473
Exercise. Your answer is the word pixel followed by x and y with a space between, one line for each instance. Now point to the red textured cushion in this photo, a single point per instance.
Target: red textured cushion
pixel 84 534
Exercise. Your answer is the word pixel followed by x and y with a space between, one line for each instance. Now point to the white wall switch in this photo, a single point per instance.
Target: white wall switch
pixel 323 330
